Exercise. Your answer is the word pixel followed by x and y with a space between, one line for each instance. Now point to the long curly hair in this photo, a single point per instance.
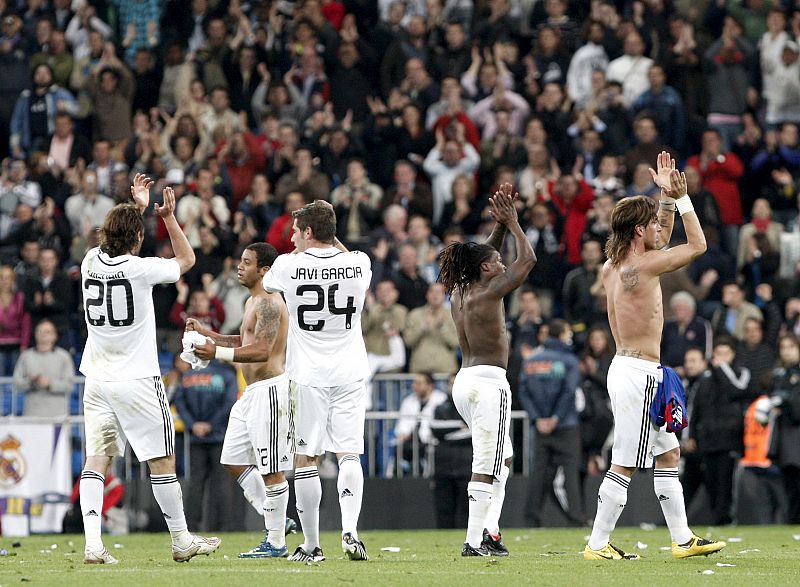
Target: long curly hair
pixel 625 217
pixel 461 265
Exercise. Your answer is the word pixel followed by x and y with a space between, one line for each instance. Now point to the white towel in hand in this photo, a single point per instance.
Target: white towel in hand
pixel 191 338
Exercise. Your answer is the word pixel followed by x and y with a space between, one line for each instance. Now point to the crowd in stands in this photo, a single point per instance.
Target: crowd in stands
pixel 405 115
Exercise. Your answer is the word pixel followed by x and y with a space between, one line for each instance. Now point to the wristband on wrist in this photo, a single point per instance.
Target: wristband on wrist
pixel 667 205
pixel 224 353
pixel 684 204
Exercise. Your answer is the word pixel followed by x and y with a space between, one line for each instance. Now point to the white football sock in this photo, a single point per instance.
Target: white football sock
pixel 480 499
pixel 611 500
pixel 350 486
pixel 91 492
pixel 308 494
pixel 252 485
pixel 669 492
pixel 167 492
pixel 277 499
pixel 498 497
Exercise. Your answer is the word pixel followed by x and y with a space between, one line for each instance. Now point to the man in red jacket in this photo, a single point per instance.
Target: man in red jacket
pixel 572 199
pixel 721 173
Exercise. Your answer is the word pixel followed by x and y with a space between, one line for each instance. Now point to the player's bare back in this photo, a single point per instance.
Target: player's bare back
pixel 481 325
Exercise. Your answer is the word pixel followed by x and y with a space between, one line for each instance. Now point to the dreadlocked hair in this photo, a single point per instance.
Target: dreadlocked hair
pixel 461 265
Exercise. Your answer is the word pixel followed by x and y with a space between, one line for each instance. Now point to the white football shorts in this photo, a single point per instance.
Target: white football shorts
pixel 482 396
pixel 329 419
pixel 135 410
pixel 259 428
pixel 632 385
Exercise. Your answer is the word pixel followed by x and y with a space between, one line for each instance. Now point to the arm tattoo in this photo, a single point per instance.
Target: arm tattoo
pixel 229 340
pixel 629 277
pixel 268 319
pixel 636 354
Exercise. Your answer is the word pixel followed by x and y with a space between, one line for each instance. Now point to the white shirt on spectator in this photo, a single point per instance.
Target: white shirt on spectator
pixel 631 71
pixel 81 211
pixel 442 176
pixel 412 411
pixel 579 75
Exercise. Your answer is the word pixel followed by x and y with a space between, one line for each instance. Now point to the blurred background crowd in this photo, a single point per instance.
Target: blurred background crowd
pixel 405 115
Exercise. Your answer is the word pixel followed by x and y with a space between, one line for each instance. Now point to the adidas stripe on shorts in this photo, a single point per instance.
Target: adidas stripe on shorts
pixel 482 397
pixel 632 385
pixel 135 411
pixel 259 428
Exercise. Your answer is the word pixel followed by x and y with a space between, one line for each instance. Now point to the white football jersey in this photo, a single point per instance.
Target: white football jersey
pixel 324 291
pixel 118 309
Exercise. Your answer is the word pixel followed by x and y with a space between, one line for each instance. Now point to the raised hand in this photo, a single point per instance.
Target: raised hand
pixel 140 191
pixel 677 185
pixel 665 165
pixel 168 207
pixel 502 204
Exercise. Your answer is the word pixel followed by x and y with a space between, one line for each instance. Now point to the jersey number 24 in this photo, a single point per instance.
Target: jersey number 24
pixel 347 310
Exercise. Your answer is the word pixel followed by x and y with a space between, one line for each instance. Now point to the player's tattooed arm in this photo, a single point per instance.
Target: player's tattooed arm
pixel 228 340
pixel 219 339
pixel 268 323
pixel 268 319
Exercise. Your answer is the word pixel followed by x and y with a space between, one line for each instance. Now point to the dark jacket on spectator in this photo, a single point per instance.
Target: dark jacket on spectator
pixel 547 384
pixel 58 312
pixel 718 415
pixel 207 395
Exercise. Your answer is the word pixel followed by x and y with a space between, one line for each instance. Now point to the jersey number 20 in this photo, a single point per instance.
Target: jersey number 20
pixel 104 296
pixel 348 310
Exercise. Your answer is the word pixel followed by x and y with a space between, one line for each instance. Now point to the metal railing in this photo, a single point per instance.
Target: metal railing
pixel 383 455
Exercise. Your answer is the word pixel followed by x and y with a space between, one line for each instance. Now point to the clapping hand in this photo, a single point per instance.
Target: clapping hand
pixel 665 164
pixel 677 184
pixel 168 207
pixel 140 191
pixel 502 204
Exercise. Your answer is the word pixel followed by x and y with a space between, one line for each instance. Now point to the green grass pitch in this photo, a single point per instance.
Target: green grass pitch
pixel 763 555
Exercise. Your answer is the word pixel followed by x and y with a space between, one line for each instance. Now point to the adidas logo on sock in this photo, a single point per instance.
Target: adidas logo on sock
pixel 284 459
pixel 299 511
pixel 167 517
pixel 346 493
pixel 269 509
pixel 470 498
pixel 301 443
pixel 599 499
pixel 663 497
pixel 91 513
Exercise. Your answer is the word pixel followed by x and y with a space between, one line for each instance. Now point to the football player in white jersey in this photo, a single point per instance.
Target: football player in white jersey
pixel 257 447
pixel 123 396
pixel 325 286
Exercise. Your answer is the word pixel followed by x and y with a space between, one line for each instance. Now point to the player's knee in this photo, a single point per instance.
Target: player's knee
pixel 162 465
pixel 235 471
pixel 669 460
pixel 99 464
pixel 306 461
pixel 274 478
